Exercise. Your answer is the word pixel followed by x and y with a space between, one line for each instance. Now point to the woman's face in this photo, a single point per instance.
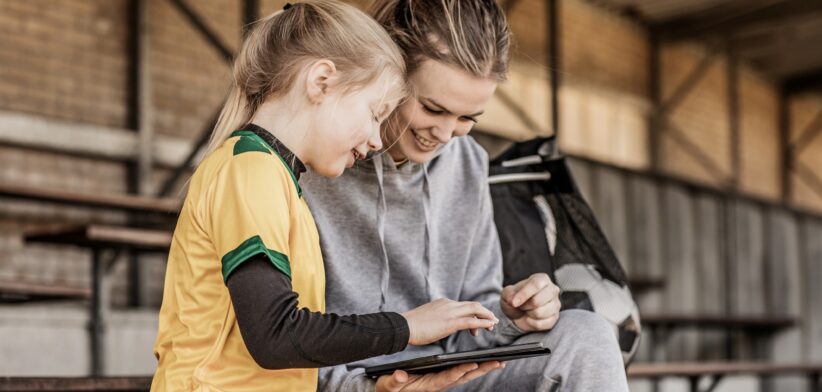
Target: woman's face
pixel 445 103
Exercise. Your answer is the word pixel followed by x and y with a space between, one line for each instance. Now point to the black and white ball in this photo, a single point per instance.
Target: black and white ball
pixel 585 288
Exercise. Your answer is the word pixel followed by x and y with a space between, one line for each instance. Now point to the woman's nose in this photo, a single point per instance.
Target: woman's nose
pixel 444 131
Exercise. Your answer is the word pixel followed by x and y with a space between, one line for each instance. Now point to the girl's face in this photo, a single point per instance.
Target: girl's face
pixel 446 102
pixel 347 126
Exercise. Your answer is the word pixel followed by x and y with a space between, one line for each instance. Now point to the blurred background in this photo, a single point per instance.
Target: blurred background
pixel 693 128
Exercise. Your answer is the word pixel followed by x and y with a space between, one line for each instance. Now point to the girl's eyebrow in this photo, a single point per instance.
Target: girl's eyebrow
pixel 444 109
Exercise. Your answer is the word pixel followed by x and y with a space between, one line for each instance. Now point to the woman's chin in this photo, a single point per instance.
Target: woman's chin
pixel 417 156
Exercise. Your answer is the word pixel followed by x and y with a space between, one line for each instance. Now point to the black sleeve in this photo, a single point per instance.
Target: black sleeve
pixel 279 336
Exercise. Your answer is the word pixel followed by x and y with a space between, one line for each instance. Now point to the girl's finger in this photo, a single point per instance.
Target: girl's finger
pixel 475 309
pixel 471 323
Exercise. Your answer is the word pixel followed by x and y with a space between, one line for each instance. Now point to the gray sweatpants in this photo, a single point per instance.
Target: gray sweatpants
pixel 585 357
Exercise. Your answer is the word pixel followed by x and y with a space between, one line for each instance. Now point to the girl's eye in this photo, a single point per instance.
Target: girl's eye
pixel 471 119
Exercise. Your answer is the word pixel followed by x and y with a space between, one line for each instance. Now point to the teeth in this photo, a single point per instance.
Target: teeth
pixel 425 142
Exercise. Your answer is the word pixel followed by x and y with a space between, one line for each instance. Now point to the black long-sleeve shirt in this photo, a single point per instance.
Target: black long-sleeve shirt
pixel 278 335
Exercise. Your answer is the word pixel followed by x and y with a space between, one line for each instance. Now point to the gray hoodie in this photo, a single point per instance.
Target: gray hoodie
pixel 396 238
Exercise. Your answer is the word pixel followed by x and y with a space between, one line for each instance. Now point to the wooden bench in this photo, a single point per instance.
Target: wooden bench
pixel 98 238
pixel 14 292
pixel 696 371
pixel 103 237
pixel 756 327
pixel 110 201
pixel 644 284
pixel 75 384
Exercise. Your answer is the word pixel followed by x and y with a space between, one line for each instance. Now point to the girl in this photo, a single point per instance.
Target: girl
pixel 245 285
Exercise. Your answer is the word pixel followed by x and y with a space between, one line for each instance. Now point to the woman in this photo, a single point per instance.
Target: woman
pixel 418 218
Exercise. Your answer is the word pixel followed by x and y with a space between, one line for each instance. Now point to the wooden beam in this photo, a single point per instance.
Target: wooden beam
pixel 93 141
pixel 552 13
pixel 732 16
pixel 140 204
pixel 733 119
pixel 508 5
pixel 122 384
pixel 518 111
pixel 810 81
pixel 808 134
pixel 205 135
pixel 655 95
pixel 251 12
pixel 206 32
pixel 145 107
pixel 699 369
pixel 690 81
pixel 807 175
pixel 695 152
pixel 785 146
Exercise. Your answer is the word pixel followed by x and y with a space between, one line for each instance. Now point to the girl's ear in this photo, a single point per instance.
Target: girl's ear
pixel 322 74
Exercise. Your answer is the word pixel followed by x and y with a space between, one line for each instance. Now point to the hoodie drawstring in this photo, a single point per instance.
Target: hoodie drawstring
pixel 426 208
pixel 381 211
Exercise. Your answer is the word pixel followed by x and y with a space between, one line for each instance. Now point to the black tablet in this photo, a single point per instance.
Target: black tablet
pixel 436 363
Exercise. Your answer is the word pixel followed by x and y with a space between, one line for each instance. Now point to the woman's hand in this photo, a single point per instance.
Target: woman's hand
pixel 438 319
pixel 532 304
pixel 401 381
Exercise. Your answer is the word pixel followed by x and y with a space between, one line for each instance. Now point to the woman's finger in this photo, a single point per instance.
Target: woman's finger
pixel 483 369
pixel 547 294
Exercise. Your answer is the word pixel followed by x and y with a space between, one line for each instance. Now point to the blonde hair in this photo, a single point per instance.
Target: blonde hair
pixel 472 35
pixel 279 46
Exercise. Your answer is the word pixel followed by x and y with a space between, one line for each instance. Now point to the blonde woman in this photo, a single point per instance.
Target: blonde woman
pixel 244 290
pixel 417 222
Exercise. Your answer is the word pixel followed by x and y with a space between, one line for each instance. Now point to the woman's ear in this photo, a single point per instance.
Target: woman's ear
pixel 322 74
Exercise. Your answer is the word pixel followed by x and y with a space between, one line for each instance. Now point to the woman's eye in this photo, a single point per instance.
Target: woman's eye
pixel 432 111
pixel 471 119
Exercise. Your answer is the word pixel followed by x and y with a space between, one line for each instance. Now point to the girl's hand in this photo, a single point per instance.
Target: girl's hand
pixel 449 378
pixel 438 319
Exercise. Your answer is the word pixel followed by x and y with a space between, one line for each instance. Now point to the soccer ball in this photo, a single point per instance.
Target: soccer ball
pixel 584 288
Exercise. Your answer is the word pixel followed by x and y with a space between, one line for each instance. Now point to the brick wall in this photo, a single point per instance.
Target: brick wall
pixel 64 59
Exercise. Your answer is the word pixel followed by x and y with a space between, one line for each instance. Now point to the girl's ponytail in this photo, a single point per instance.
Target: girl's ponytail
pixel 233 115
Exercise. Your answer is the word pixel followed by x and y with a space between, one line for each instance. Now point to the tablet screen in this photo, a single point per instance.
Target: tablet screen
pixel 441 362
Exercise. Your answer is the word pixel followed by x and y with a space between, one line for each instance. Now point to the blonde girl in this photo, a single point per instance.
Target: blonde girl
pixel 244 289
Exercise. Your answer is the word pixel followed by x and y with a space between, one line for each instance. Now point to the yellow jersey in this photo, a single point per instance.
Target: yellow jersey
pixel 243 200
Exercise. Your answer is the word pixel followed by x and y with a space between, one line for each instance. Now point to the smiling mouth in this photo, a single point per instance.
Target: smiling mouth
pixel 423 141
